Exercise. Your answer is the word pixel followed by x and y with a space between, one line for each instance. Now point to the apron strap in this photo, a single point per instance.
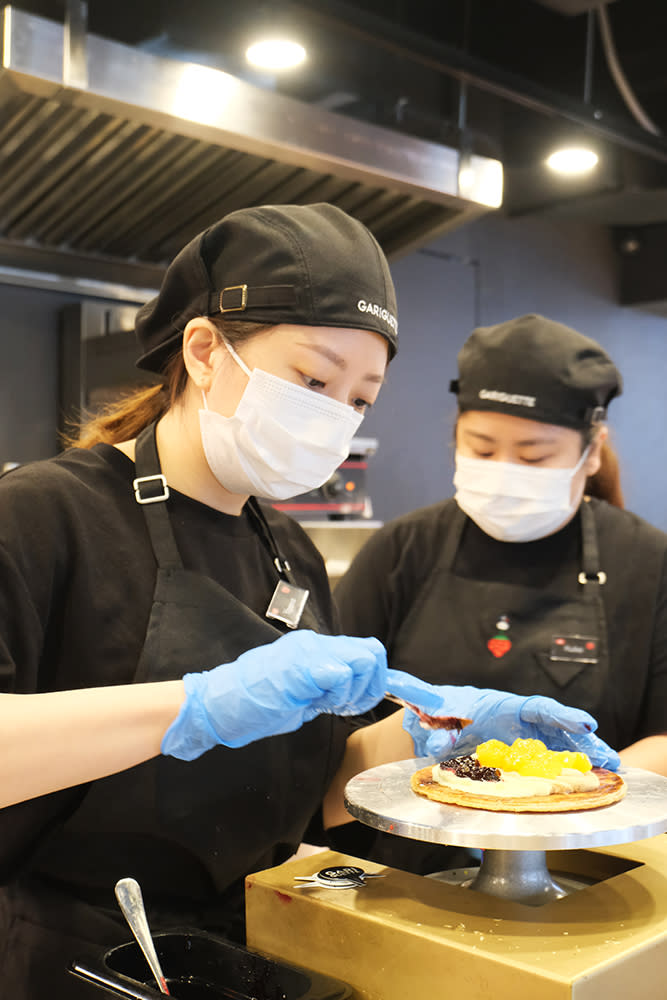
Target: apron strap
pixel 151 491
pixel 453 538
pixel 591 576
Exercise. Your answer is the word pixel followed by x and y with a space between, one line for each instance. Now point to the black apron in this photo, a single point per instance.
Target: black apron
pixel 547 640
pixel 528 640
pixel 188 831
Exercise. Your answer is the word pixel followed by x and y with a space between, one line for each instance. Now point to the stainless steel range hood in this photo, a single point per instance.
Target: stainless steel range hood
pixel 109 165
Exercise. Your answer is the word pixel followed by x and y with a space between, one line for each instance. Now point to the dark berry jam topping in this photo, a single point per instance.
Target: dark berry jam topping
pixel 470 767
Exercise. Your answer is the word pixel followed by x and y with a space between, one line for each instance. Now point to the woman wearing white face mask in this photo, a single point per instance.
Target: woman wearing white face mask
pixel 144 554
pixel 519 581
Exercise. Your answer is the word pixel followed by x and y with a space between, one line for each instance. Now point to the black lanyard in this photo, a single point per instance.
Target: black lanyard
pixel 261 525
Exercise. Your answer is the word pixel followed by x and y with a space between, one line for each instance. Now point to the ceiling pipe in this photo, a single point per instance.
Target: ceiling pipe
pixel 452 61
pixel 619 77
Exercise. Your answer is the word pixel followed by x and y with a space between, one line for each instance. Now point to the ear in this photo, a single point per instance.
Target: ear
pixel 201 342
pixel 592 463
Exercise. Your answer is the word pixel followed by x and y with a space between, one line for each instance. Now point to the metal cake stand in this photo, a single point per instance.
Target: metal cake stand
pixel 514 844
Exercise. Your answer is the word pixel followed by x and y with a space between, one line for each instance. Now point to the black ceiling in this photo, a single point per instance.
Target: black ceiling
pixel 509 78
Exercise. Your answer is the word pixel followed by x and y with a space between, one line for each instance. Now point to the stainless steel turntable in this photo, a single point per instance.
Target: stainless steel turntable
pixel 514 844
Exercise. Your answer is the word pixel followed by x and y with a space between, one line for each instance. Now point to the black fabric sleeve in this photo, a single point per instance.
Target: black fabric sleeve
pixel 363 596
pixel 341 727
pixel 33 576
pixel 21 631
pixel 375 593
pixel 378 590
pixel 654 709
pixel 23 826
pixel 633 553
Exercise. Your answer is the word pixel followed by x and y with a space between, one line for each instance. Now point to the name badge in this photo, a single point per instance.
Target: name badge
pixel 575 648
pixel 287 603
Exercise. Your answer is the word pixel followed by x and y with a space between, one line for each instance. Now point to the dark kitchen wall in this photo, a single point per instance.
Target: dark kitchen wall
pixel 487 272
pixel 28 372
pixel 29 368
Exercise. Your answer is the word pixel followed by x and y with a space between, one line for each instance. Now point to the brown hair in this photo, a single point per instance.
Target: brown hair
pixel 606 483
pixel 127 416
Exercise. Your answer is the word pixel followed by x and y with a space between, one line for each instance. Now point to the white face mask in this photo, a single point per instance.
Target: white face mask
pixel 282 440
pixel 515 503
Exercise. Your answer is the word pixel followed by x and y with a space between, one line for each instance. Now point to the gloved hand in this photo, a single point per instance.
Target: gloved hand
pixel 503 716
pixel 275 689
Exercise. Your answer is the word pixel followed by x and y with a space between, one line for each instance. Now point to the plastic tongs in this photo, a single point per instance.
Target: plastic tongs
pixel 420 698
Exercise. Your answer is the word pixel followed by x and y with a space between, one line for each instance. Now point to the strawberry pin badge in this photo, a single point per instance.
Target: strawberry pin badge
pixel 501 642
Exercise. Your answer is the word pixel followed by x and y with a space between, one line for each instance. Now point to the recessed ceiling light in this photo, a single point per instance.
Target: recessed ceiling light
pixel 276 54
pixel 575 160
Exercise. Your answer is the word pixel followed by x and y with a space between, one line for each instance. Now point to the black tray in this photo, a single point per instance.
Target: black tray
pixel 200 966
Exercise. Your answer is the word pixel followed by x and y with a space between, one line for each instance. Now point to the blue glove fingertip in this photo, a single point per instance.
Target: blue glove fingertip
pixel 436 743
pixel 549 713
pixel 599 753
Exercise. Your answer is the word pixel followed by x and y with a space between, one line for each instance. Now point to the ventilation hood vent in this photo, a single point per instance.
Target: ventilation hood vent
pixel 112 160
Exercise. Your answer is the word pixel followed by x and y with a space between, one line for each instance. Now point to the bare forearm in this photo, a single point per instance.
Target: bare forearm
pixel 380 743
pixel 649 753
pixel 59 739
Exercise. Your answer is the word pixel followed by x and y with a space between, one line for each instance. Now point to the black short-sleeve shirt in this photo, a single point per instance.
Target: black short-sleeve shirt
pixel 77 575
pixel 375 596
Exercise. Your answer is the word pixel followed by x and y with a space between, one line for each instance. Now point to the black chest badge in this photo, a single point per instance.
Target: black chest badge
pixel 574 648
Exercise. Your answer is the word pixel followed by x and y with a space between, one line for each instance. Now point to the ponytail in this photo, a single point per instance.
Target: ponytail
pixel 126 417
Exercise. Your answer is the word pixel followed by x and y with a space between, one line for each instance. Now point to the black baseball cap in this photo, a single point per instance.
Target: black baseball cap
pixel 536 368
pixel 312 265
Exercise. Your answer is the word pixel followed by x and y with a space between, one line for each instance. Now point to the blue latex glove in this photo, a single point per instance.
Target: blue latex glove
pixel 275 689
pixel 497 715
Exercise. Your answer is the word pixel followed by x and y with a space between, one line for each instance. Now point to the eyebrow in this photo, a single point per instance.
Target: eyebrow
pixel 526 443
pixel 339 361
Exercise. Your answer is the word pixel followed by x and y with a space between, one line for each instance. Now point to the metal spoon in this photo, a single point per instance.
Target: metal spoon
pixel 427 721
pixel 131 902
pixel 422 699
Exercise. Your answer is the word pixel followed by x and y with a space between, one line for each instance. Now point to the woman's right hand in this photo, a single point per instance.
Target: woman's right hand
pixel 275 689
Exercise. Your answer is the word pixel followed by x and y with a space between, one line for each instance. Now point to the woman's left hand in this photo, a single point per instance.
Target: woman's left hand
pixel 503 716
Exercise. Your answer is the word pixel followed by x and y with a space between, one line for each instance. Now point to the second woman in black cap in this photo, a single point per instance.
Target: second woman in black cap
pixel 521 581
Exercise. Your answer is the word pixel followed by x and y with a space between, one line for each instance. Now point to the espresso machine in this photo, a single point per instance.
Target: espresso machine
pixel 344 496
